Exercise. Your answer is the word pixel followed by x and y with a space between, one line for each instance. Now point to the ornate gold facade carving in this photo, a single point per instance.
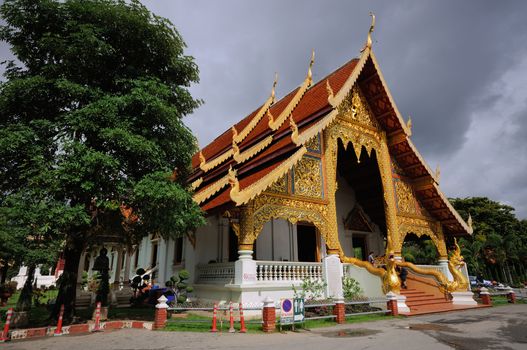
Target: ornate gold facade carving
pixel 313 144
pixel 279 186
pixel 355 108
pixel 307 175
pixel 406 201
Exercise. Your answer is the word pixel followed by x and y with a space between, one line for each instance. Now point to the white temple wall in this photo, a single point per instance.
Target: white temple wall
pixel 345 200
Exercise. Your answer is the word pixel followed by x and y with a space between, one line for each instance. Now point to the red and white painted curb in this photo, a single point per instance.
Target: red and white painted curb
pixel 17 334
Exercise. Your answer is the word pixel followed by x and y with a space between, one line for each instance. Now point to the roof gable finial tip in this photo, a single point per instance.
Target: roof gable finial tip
pixel 273 91
pixel 311 62
pixel 369 42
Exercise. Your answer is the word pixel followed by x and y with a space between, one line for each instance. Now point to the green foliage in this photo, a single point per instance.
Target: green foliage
pixel 310 289
pixel 182 289
pixel 420 250
pixel 91 119
pixel 498 247
pixel 351 288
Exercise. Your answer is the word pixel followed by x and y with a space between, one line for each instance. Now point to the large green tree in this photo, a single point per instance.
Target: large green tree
pixel 498 248
pixel 91 118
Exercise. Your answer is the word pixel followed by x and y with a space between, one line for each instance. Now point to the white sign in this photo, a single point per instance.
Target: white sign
pixel 286 311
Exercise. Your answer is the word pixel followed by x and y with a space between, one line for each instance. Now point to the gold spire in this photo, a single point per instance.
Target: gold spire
pixel 309 72
pixel 469 221
pixel 275 123
pixel 294 130
pixel 273 93
pixel 372 27
pixel 409 126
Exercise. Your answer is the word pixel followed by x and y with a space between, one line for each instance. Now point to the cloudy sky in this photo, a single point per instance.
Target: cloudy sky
pixel 458 68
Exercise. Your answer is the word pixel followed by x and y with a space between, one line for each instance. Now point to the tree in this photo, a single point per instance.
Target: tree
pixel 27 236
pixel 498 247
pixel 91 118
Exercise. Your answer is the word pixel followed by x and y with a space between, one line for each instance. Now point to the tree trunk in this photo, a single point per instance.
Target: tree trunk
pixel 68 280
pixel 3 271
pixel 26 296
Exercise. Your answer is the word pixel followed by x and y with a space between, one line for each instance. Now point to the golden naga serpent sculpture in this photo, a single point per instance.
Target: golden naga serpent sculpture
pixel 390 278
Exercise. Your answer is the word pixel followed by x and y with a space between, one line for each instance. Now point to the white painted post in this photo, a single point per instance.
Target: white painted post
pixel 245 268
pixel 332 275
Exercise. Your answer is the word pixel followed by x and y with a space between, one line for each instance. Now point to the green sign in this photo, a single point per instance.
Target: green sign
pixel 298 310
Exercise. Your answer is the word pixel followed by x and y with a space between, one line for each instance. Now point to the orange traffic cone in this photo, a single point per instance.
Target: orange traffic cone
pixel 58 331
pixel 242 321
pixel 214 329
pixel 231 319
pixel 5 333
pixel 97 327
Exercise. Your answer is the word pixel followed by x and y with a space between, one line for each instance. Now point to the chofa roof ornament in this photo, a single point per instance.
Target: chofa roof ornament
pixel 369 42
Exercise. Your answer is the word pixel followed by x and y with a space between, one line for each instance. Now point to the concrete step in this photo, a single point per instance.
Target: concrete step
pixel 427 302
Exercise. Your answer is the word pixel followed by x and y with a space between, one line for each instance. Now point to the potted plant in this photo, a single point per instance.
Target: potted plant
pixel 6 290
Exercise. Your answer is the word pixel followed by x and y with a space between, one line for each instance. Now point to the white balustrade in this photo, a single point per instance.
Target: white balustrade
pixel 215 273
pixel 287 271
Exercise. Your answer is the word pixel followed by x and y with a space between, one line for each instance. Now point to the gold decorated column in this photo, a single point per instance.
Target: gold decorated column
pixel 330 233
pixel 390 208
pixel 246 235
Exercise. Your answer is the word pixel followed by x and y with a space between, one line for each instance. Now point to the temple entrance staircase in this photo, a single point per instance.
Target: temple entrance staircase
pixel 423 297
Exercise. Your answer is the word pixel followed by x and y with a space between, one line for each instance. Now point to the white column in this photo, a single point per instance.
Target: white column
pixel 245 268
pixel 161 262
pixel 127 261
pixel 117 274
pixel 444 265
pixel 332 274
pixel 80 269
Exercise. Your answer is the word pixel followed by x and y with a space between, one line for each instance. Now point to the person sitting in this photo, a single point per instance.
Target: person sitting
pixel 371 258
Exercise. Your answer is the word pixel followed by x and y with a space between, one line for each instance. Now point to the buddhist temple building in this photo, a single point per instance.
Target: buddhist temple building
pixel 305 186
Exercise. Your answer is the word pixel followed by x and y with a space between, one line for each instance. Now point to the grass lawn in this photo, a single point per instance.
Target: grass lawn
pixel 197 323
pixel 500 300
pixel 39 315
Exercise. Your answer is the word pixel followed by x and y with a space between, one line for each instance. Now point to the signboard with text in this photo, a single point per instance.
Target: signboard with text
pixel 286 311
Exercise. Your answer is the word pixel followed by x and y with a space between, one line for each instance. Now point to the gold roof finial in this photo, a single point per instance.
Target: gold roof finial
pixel 232 176
pixel 202 159
pixel 234 132
pixel 469 221
pixel 438 173
pixel 331 95
pixel 309 72
pixel 273 93
pixel 409 126
pixel 270 117
pixel 372 27
pixel 294 130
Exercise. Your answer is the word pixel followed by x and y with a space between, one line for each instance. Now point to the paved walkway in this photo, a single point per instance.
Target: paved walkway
pixel 502 327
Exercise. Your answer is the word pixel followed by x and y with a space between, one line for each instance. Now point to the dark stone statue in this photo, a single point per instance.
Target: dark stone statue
pixel 102 264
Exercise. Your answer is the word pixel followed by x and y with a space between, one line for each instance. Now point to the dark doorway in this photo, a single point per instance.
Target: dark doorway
pixel 233 245
pixel 359 247
pixel 306 239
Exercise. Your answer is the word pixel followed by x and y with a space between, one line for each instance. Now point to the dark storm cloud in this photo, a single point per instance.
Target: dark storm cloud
pixel 444 61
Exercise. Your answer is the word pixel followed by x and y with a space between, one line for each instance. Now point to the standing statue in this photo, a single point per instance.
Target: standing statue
pixel 102 265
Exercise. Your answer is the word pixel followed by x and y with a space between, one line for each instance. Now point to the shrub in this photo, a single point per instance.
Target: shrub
pixel 351 288
pixel 310 289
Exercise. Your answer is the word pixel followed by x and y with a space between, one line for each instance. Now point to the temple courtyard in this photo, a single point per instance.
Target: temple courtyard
pixel 486 328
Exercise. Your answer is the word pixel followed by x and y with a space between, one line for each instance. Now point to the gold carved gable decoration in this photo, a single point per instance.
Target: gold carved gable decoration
pixel 355 108
pixel 307 175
